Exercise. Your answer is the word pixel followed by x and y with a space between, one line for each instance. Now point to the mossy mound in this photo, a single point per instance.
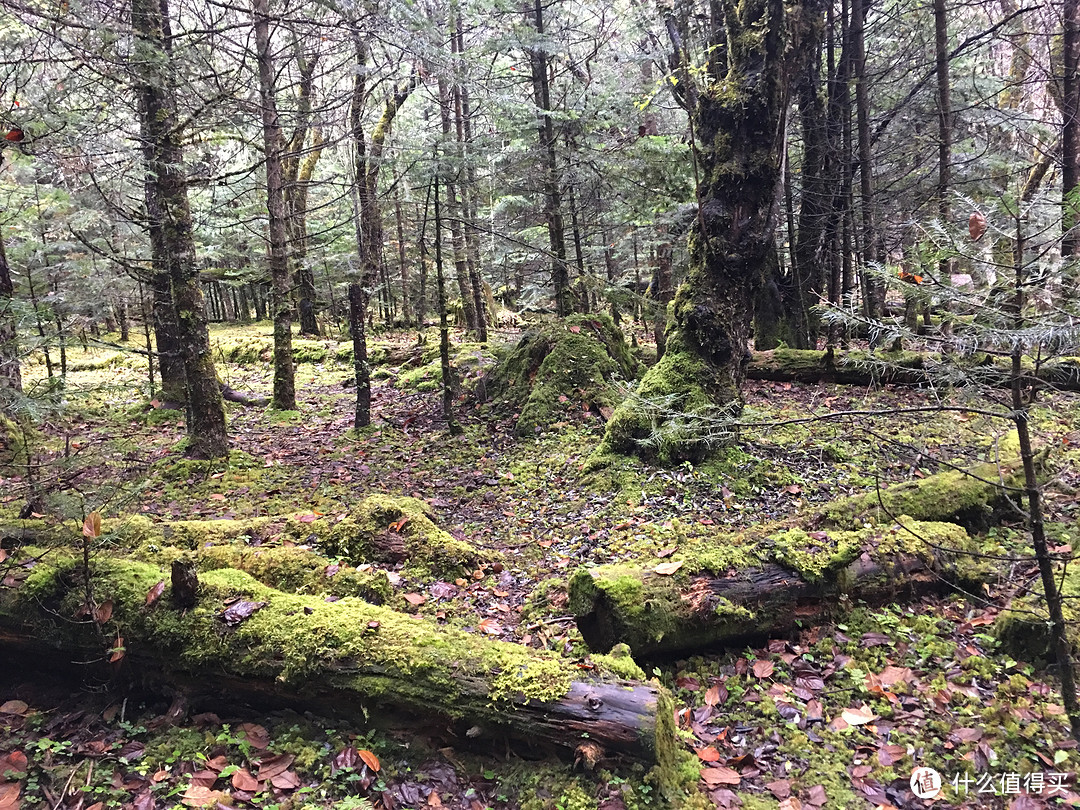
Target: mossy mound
pixel 663 418
pixel 13 443
pixel 247 350
pixel 561 368
pixel 392 529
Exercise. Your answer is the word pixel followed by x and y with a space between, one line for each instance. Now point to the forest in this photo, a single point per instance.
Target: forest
pixel 540 405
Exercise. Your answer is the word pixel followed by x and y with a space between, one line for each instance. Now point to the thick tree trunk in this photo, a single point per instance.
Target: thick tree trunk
pixel 278 244
pixel 873 290
pixel 359 655
pixel 444 326
pixel 170 216
pixel 738 149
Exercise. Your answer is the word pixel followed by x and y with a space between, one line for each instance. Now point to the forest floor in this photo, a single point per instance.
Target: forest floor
pixel 834 716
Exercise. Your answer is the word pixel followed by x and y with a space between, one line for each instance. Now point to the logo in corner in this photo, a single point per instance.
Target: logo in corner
pixel 925 783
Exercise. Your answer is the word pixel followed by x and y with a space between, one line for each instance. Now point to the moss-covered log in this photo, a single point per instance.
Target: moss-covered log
pixel 901 540
pixel 380 529
pixel 900 368
pixel 656 613
pixel 361 657
pixel 561 367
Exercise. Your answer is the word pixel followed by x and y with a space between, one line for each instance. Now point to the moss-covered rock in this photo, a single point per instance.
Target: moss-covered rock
pixel 561 368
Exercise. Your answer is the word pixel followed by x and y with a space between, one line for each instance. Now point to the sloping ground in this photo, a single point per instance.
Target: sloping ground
pixel 834 716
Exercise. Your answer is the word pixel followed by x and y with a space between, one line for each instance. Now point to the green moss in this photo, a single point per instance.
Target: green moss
pixel 620 663
pixel 293 569
pixel 1024 628
pixel 347 643
pixel 381 523
pixel 661 419
pixel 563 369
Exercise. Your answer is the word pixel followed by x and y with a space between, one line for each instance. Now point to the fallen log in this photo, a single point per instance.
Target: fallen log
pixel 656 613
pixel 898 368
pixel 380 528
pixel 358 656
pixel 897 542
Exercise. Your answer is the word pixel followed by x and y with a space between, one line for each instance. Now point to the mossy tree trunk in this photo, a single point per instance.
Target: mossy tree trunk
pixel 10 373
pixel 168 209
pixel 278 246
pixel 298 173
pixel 736 123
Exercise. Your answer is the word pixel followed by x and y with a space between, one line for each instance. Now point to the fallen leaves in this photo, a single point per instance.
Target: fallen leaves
pixel 154 594
pixel 240 610
pixel 668 568
pixel 858 716
pixel 763 669
pixel 716 776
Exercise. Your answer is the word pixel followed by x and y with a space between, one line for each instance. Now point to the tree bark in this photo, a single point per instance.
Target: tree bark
pixel 873 290
pixel 444 326
pixel 369 227
pixel 738 145
pixel 1070 114
pixel 545 129
pixel 10 372
pixel 168 210
pixel 284 398
pixel 453 210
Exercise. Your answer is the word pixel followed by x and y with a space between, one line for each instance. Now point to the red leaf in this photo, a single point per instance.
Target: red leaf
pixel 104 612
pixel 287 780
pixel 243 780
pixel 273 766
pixel 154 594
pixel 976 226
pixel 709 754
pixel 574 329
pixel 720 776
pixel 257 736
pixel 763 668
pixel 117 652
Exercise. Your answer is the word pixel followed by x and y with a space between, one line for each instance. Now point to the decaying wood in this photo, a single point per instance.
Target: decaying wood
pixel 898 542
pixel 812 366
pixel 359 658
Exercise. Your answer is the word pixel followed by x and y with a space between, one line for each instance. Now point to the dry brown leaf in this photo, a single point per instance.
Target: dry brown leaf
pixel 257 736
pixel 858 717
pixel 713 777
pixel 154 594
pixel 104 612
pixel 369 759
pixel 669 568
pixel 14 707
pixel 763 668
pixel 286 780
pixel 9 795
pixel 243 780
pixel 415 599
pixel 118 650
pixel 791 803
pixel 491 627
pixel 976 226
pixel 709 754
pixel 712 695
pixel 271 766
pixel 199 796
pixel 92 526
pixel 781 788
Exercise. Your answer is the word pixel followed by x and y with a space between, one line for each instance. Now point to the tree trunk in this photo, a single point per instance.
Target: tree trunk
pixel 453 210
pixel 444 327
pixel 369 228
pixel 1070 137
pixel 738 148
pixel 170 217
pixel 10 372
pixel 873 290
pixel 284 398
pixel 818 188
pixel 403 266
pixel 552 182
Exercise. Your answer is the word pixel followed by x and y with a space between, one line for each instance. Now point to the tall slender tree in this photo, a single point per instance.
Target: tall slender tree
pixel 167 206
